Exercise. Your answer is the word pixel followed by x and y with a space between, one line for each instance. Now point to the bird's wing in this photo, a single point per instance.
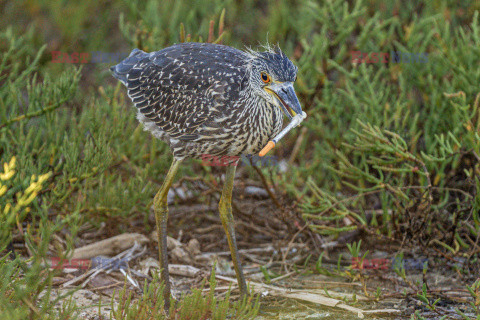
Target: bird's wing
pixel 181 88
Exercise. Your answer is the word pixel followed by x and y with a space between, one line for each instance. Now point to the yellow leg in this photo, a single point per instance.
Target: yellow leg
pixel 160 206
pixel 225 208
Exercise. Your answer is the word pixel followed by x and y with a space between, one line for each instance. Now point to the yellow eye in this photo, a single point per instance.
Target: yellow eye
pixel 265 77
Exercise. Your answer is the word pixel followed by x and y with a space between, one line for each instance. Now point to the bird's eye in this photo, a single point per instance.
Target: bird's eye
pixel 265 77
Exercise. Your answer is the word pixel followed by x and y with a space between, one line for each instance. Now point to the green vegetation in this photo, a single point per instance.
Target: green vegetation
pixel 191 306
pixel 391 150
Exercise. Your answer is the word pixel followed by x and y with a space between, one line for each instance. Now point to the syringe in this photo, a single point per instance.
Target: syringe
pixel 295 122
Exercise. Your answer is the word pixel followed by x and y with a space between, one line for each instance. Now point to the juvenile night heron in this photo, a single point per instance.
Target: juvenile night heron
pixel 203 98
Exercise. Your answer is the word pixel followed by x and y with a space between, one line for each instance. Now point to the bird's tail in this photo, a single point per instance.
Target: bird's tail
pixel 121 70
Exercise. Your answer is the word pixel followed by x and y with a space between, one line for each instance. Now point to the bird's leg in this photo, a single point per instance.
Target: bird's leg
pixel 160 206
pixel 225 208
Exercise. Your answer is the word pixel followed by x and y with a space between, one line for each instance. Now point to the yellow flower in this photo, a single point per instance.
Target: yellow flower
pixel 44 177
pixel 7 175
pixel 3 190
pixel 32 187
pixel 37 186
pixel 8 171
pixel 25 201
pixel 12 163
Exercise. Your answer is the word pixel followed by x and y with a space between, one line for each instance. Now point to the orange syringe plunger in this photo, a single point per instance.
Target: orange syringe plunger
pixel 270 145
pixel 295 122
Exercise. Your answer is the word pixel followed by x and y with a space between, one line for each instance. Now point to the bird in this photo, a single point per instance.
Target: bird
pixel 205 98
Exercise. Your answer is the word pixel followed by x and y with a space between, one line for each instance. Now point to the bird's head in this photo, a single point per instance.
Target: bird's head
pixel 272 76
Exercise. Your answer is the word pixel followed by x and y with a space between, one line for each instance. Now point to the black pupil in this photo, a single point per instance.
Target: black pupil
pixel 264 77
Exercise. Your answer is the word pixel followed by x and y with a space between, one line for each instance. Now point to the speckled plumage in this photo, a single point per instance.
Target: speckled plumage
pixel 199 97
pixel 208 99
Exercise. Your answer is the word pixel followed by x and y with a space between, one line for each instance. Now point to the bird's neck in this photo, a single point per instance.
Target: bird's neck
pixel 264 121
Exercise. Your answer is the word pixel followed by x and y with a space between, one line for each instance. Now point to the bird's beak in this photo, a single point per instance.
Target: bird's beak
pixel 286 98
